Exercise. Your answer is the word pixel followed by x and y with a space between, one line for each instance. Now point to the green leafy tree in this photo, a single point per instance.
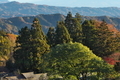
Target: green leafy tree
pixel 75 60
pixel 62 34
pixel 5 45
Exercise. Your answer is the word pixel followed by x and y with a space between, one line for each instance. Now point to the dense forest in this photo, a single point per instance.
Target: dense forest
pixel 75 49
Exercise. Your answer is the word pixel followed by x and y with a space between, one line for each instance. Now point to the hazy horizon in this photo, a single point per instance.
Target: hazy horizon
pixel 74 3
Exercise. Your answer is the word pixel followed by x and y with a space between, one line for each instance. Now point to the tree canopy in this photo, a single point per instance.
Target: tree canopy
pixel 75 59
pixel 5 45
pixel 99 38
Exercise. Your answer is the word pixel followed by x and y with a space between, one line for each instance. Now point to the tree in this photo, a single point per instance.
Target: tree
pixel 51 37
pixel 74 27
pixel 62 34
pixel 117 66
pixel 5 45
pixel 106 41
pixel 78 17
pixel 68 20
pixel 32 46
pixel 89 30
pixel 22 54
pixel 39 45
pixel 76 31
pixel 74 59
pixel 99 38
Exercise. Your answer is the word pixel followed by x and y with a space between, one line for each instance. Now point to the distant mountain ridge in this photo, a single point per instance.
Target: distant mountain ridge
pixel 4 1
pixel 14 9
pixel 12 25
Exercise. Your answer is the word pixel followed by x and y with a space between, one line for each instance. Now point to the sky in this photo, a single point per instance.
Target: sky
pixel 74 3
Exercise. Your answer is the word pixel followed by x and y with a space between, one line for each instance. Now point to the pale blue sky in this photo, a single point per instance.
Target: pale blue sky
pixel 75 3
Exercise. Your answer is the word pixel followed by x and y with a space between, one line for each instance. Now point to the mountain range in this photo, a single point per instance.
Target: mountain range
pixel 15 15
pixel 13 9
pixel 12 25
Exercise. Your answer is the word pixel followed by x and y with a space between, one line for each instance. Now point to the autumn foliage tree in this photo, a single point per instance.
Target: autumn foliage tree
pixel 5 45
pixel 99 38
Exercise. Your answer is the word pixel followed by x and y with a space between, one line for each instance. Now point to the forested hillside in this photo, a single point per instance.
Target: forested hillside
pixel 63 42
pixel 71 50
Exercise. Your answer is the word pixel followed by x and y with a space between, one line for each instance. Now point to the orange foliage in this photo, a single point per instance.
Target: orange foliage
pixel 112 59
pixel 110 26
pixel 12 37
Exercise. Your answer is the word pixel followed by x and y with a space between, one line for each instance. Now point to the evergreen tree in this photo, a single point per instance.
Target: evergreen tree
pixel 99 38
pixel 76 31
pixel 51 36
pixel 62 34
pixel 88 29
pixel 68 21
pixel 28 56
pixel 23 49
pixel 78 17
pixel 74 27
pixel 39 45
pixel 106 42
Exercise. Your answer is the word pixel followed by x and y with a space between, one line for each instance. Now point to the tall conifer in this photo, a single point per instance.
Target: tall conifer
pixel 39 44
pixel 51 36
pixel 99 38
pixel 62 34
pixel 88 29
pixel 22 54
pixel 106 41
pixel 36 46
pixel 74 27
